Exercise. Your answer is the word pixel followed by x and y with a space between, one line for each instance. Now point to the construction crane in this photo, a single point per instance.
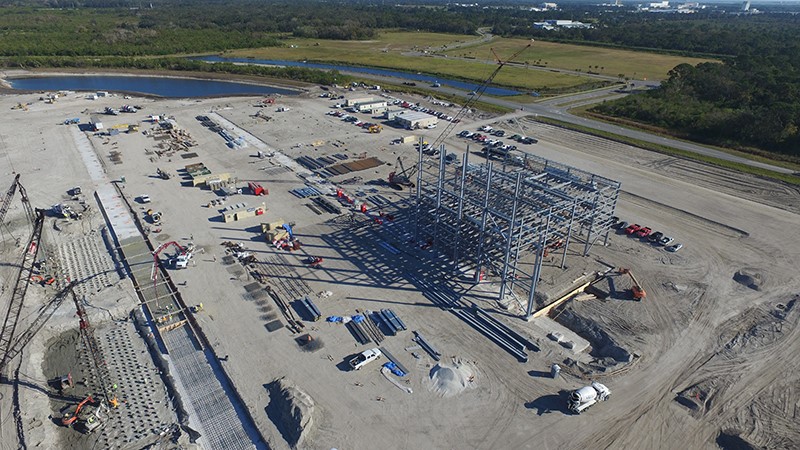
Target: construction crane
pixel 45 313
pixel 474 98
pixel 20 288
pixel 9 197
pixel 161 248
pixel 637 290
pixel 401 179
pixel 98 361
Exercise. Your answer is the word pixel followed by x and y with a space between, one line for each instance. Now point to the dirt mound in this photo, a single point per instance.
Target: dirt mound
pixel 730 441
pixel 750 278
pixel 447 380
pixel 603 345
pixel 291 410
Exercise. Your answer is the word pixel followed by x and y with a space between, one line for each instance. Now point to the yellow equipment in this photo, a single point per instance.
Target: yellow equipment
pixel 375 129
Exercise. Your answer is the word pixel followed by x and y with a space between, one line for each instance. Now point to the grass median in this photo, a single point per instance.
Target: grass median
pixel 740 167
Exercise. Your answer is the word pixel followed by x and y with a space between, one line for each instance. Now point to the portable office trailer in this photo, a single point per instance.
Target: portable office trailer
pixel 241 211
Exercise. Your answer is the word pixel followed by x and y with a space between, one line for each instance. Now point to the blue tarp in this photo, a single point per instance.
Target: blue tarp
pixel 358 318
pixel 393 367
pixel 334 319
pixel 288 229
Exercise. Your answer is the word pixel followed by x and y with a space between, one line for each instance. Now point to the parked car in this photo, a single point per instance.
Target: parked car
pixel 674 248
pixel 633 228
pixel 621 225
pixel 665 240
pixel 655 236
pixel 644 232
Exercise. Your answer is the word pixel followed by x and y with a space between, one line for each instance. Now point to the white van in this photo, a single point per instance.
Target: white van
pixel 144 199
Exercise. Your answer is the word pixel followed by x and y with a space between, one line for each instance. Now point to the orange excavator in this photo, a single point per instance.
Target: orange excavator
pixel 637 290
pixel 70 418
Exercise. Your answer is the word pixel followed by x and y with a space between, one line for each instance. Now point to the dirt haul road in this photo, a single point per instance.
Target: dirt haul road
pixel 716 358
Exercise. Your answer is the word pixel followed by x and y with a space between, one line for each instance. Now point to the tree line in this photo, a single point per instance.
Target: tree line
pixel 751 99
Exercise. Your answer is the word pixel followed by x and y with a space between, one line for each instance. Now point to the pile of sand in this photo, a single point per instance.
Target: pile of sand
pixel 292 411
pixel 447 380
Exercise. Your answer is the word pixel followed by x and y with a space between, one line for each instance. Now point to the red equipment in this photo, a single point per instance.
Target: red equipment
pixel 257 189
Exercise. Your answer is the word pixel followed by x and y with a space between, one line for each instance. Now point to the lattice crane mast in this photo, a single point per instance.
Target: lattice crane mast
pixel 474 98
pixel 9 197
pixel 20 288
pixel 45 313
pixel 95 353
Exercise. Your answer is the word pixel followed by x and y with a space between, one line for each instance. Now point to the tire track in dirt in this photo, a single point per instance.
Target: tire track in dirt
pixel 742 185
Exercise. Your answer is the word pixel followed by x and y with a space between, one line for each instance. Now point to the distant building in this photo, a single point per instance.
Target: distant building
pixel 659 5
pixel 554 24
pixel 746 6
pixel 372 107
pixel 549 6
pixel 412 120
pixel 356 100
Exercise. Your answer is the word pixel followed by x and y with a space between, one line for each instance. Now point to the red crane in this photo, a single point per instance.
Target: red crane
pixel 161 248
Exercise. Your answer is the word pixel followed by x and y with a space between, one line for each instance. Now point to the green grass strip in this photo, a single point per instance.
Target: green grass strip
pixel 739 167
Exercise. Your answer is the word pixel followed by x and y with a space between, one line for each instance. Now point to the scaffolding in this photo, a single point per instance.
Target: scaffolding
pixel 489 217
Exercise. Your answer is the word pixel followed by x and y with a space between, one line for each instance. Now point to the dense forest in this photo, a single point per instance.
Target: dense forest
pixel 752 99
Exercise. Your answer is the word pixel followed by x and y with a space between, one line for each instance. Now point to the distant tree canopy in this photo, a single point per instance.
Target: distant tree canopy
pixel 752 99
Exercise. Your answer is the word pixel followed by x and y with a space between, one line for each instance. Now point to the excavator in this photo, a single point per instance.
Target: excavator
pixel 637 291
pixel 403 178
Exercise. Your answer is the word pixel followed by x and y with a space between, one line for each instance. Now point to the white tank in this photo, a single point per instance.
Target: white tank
pixel 583 395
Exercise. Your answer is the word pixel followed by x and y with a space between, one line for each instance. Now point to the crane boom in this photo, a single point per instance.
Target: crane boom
pixel 10 196
pixel 45 313
pixel 96 355
pixel 474 98
pixel 20 289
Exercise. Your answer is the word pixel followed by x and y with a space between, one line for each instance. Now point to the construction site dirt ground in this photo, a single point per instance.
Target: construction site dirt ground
pixel 713 342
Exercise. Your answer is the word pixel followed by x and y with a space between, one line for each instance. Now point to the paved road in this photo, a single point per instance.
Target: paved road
pixel 557 109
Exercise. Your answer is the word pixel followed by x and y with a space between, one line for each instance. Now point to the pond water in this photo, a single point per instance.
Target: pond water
pixel 413 77
pixel 161 86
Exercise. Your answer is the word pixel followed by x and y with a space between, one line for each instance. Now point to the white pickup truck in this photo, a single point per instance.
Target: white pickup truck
pixel 364 358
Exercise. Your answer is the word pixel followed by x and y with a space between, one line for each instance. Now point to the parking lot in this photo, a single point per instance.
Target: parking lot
pixel 699 331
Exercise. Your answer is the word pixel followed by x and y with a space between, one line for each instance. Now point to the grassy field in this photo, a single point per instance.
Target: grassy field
pixel 612 62
pixel 388 51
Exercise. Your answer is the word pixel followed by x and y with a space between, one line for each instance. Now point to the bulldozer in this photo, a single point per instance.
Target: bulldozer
pixel 164 175
pixel 375 129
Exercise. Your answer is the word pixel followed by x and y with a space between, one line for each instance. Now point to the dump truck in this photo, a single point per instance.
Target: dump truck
pixel 581 399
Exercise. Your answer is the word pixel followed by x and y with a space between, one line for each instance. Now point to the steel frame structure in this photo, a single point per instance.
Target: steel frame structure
pixel 490 216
